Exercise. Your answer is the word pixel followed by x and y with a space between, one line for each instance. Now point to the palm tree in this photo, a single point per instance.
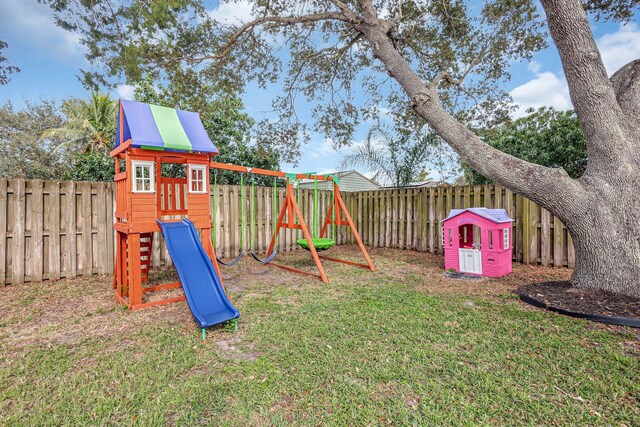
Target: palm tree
pixel 398 159
pixel 90 125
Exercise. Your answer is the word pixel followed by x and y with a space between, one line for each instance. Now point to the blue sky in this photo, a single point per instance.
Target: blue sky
pixel 50 58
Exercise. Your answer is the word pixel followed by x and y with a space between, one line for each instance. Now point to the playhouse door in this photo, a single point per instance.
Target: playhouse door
pixel 470 261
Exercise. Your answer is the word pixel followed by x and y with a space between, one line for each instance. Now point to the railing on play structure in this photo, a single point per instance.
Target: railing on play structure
pixel 121 197
pixel 172 198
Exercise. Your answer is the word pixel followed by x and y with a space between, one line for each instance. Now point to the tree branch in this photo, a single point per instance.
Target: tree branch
pixel 277 20
pixel 539 183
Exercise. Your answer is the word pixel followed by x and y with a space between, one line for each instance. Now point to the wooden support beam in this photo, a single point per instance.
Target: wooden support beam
pixel 266 172
pixel 163 287
pixel 290 205
pixel 343 208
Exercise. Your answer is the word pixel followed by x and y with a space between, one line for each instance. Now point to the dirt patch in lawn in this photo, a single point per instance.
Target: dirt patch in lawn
pixel 566 297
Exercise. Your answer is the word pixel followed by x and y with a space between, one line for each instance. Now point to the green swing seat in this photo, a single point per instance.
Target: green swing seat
pixel 320 244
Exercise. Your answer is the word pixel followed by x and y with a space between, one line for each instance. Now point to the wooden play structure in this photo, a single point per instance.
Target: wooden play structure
pixel 477 241
pixel 149 137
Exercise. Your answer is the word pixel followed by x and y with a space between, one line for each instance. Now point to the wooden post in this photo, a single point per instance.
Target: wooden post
pixel 37 213
pixel 355 232
pixel 3 231
pixel 432 220
pixel 53 211
pixel 134 273
pixel 545 237
pixel 558 239
pixel 439 217
pixel 19 196
pixel 69 254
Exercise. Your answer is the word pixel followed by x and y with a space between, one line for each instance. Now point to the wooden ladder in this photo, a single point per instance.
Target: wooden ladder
pixel 146 245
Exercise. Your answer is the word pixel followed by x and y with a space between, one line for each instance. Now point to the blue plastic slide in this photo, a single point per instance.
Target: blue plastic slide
pixel 202 286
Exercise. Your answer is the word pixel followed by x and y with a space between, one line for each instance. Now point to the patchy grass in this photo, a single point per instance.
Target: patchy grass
pixel 400 346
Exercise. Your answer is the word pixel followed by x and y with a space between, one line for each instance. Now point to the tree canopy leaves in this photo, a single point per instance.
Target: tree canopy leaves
pixel 6 69
pixel 90 124
pixel 396 159
pixel 546 137
pixel 319 59
pixel 23 153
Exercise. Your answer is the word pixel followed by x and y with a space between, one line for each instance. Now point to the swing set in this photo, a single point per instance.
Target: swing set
pixel 290 216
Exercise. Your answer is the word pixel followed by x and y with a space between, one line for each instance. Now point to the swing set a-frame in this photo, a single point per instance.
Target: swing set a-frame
pixel 291 217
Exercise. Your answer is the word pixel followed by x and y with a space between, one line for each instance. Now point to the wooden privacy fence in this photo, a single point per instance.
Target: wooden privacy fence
pixel 410 219
pixel 51 230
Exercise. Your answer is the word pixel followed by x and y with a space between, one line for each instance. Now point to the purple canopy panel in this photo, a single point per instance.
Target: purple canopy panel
pixel 141 124
pixel 195 131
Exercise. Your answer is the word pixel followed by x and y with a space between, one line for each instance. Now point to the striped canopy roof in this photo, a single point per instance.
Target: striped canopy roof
pixel 160 128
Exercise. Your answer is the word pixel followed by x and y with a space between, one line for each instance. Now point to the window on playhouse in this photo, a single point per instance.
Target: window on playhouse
pixel 143 176
pixel 450 237
pixel 490 239
pixel 505 236
pixel 197 180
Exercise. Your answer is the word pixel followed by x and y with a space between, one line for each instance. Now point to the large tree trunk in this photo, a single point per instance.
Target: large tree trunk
pixel 606 229
pixel 602 209
pixel 605 235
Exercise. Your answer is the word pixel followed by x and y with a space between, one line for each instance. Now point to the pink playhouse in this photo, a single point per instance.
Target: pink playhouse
pixel 477 241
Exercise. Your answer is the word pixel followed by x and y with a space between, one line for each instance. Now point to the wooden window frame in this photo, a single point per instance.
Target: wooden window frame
pixel 152 176
pixel 205 181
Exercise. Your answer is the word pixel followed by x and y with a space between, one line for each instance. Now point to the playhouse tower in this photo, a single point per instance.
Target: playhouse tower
pixel 148 137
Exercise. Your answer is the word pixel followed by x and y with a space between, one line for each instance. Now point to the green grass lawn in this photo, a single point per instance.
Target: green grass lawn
pixel 401 346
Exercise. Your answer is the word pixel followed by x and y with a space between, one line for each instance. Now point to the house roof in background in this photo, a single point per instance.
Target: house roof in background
pixel 419 184
pixel 342 174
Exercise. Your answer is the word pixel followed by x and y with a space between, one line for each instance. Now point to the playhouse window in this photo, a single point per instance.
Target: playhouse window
pixel 491 239
pixel 505 236
pixel 143 177
pixel 197 182
pixel 450 237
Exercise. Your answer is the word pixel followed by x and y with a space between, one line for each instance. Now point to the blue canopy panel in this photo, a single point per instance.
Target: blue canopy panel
pixel 161 128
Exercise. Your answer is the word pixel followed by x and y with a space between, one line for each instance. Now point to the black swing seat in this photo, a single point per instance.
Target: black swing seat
pixel 321 244
pixel 267 260
pixel 233 262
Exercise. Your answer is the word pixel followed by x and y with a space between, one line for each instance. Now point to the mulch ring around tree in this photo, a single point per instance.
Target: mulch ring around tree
pixel 597 305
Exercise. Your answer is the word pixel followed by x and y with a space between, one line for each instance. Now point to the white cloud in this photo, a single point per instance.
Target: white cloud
pixel 230 12
pixel 619 48
pixel 30 25
pixel 327 171
pixel 321 150
pixel 545 90
pixel 534 66
pixel 125 92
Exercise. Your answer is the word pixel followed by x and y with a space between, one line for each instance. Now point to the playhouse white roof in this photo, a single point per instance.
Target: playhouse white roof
pixel 495 215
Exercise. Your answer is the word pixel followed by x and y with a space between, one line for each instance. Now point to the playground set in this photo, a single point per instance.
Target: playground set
pixel 149 136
